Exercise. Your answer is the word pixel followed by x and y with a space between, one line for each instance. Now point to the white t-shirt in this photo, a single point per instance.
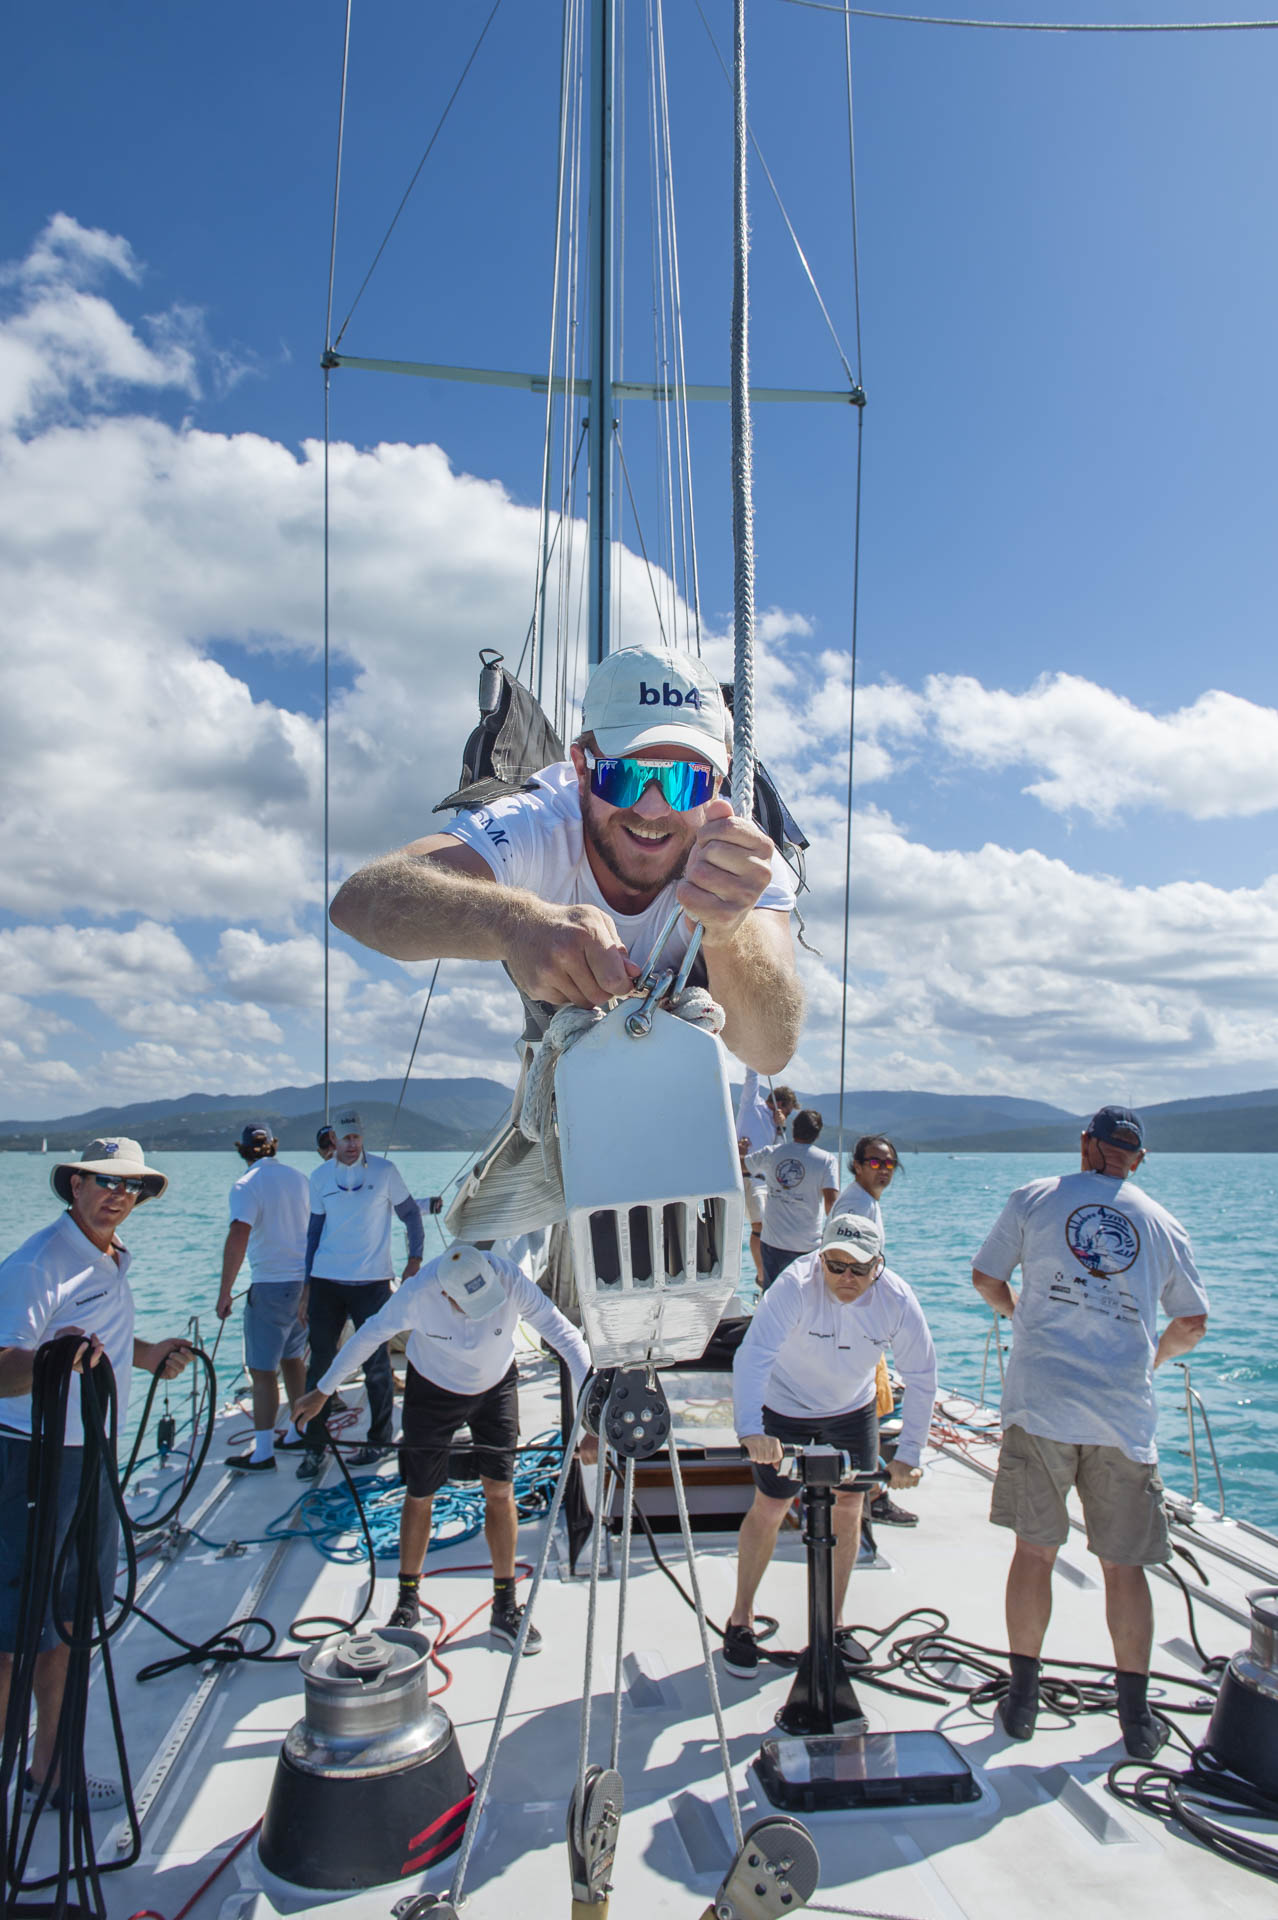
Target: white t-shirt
pixel 358 1204
pixel 460 1354
pixel 1097 1256
pixel 59 1279
pixel 534 840
pixel 855 1199
pixel 274 1200
pixel 796 1177
pixel 809 1355
pixel 755 1120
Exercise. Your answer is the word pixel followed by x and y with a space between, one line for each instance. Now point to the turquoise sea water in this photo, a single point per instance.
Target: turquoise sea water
pixel 936 1213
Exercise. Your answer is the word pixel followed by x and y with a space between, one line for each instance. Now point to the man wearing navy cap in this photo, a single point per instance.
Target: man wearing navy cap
pixel 1097 1258
pixel 270 1213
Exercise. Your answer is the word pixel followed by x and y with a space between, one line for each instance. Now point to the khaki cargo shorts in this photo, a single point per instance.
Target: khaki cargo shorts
pixel 753 1200
pixel 1122 1499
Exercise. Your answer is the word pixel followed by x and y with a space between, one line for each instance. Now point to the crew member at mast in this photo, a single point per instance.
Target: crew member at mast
pixel 569 882
pixel 460 1313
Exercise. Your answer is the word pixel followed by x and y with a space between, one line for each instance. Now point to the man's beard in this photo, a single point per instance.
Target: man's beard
pixel 612 860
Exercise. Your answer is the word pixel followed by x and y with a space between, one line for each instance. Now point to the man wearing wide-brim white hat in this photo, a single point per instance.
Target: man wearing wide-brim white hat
pixel 70 1277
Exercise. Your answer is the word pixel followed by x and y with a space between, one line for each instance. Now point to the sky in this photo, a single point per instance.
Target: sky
pixel 1064 874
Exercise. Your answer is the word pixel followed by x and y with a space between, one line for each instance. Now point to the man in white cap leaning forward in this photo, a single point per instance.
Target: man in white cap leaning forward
pixel 70 1277
pixel 804 1376
pixel 460 1314
pixel 570 882
pixel 348 1271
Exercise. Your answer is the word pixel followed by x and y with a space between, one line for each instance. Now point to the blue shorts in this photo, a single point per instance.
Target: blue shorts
pixel 15 1455
pixel 272 1330
pixel 855 1433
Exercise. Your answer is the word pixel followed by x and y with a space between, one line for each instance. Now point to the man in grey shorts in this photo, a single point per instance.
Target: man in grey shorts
pixel 270 1213
pixel 1097 1258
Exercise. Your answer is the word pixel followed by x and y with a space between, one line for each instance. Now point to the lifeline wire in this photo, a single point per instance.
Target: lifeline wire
pixel 1047 26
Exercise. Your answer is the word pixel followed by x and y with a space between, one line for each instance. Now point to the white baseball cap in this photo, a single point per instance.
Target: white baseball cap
pixel 859 1236
pixel 656 697
pixel 470 1281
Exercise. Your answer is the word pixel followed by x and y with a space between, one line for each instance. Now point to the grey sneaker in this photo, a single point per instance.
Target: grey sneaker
pixel 310 1466
pixel 504 1623
pixel 103 1795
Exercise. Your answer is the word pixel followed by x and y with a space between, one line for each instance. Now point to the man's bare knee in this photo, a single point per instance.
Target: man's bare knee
pixel 1031 1550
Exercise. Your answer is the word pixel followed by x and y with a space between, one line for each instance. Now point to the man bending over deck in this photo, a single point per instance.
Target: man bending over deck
pixel 1097 1256
pixel 460 1314
pixel 804 1374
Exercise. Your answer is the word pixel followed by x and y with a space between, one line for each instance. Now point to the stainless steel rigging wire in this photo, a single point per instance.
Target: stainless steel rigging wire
pixel 742 450
pixel 856 585
pixel 439 127
pixel 328 385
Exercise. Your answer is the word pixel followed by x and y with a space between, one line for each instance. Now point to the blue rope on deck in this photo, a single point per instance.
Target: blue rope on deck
pixel 326 1515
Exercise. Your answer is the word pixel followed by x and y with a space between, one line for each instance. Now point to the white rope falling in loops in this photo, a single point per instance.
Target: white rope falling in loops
pixel 742 454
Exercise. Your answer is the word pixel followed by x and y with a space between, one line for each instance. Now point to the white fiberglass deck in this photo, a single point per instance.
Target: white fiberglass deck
pixel 1045 1838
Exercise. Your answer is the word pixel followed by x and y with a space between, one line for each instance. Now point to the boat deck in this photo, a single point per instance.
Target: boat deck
pixel 1044 1838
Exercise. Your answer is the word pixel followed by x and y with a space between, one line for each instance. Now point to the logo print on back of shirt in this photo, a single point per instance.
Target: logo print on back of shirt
pixel 1102 1239
pixel 789 1173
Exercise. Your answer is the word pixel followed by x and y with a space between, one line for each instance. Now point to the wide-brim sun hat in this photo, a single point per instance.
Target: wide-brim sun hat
pixel 114 1155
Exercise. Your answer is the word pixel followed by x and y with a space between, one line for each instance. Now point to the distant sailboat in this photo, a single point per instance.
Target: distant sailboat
pixel 44 1143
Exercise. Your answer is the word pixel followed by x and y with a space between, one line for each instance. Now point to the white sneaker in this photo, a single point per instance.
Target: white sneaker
pixel 103 1795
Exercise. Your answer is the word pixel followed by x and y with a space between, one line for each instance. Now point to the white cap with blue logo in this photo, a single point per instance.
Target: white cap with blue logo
pixel 655 697
pixel 470 1281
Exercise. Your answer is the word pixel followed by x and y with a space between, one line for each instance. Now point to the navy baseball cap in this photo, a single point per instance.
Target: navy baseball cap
pixel 326 1137
pixel 1118 1127
pixel 256 1134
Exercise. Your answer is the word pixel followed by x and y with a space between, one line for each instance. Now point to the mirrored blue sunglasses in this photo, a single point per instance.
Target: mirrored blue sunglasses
pixel 683 784
pixel 115 1182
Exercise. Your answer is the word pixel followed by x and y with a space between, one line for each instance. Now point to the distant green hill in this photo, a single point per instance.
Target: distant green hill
pixel 437 1116
pixel 446 1115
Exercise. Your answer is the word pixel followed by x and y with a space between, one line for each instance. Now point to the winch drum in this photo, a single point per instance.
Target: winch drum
pixel 370 1785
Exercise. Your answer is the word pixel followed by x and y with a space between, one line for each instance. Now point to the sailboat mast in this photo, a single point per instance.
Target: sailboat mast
pixel 599 439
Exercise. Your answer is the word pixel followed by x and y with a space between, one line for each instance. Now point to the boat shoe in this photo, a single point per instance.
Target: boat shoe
pixel 740 1652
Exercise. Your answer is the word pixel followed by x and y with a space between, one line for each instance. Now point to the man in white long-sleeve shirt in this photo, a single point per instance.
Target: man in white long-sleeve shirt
pixel 460 1313
pixel 804 1375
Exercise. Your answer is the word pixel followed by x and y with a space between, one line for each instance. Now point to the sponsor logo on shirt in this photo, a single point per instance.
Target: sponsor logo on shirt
pixel 86 1299
pixel 1102 1239
pixel 789 1173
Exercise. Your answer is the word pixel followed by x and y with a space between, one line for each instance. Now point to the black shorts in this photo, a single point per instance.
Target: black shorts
pixel 432 1415
pixel 855 1433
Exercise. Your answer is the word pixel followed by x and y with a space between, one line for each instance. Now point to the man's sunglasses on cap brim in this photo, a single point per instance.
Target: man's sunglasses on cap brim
pixel 622 781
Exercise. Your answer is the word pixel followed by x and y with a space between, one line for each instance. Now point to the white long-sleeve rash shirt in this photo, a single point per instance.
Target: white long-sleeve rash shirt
pixel 457 1353
pixel 810 1356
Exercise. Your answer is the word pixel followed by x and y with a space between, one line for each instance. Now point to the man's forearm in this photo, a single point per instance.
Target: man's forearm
pixel 1179 1335
pixel 17 1365
pixel 995 1293
pixel 755 983
pixel 408 906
